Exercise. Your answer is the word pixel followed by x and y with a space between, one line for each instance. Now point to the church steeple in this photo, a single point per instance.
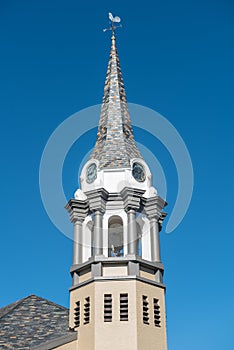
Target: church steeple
pixel 115 145
pixel 117 274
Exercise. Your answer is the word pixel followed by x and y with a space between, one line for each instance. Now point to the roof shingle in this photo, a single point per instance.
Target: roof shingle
pixel 32 321
pixel 115 145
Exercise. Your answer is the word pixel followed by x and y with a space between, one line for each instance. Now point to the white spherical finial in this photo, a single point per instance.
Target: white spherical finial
pixel 150 192
pixel 79 194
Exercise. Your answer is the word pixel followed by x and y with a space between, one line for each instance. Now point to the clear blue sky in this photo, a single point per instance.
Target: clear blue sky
pixel 177 58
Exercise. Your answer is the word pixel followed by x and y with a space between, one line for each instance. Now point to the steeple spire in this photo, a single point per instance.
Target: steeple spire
pixel 117 218
pixel 115 145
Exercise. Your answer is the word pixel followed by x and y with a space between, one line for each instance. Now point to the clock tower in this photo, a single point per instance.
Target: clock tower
pixel 117 294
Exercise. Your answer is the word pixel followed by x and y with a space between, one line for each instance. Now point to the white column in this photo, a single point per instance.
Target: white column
pixel 77 243
pixel 98 233
pixel 132 232
pixel 154 240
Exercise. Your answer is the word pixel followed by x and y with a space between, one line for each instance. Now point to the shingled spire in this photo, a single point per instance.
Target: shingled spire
pixel 115 145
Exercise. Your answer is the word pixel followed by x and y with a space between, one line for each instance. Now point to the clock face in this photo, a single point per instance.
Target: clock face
pixel 91 173
pixel 138 172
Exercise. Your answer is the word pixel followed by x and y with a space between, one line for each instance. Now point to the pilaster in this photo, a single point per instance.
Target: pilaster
pixel 97 203
pixel 153 207
pixel 132 201
pixel 78 210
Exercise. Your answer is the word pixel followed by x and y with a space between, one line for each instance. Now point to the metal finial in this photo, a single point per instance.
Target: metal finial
pixel 113 20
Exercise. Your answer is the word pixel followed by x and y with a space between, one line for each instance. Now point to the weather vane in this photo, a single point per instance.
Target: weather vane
pixel 113 20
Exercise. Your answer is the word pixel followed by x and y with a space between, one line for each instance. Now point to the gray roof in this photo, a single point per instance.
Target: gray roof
pixel 115 145
pixel 33 321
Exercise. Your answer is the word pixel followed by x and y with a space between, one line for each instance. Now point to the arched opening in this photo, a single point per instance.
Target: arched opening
pixel 115 236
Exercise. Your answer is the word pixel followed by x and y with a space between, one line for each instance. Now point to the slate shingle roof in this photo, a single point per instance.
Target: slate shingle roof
pixel 115 145
pixel 32 321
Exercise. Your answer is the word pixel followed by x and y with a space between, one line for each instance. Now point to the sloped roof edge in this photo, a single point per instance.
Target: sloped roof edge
pixel 56 342
pixel 8 308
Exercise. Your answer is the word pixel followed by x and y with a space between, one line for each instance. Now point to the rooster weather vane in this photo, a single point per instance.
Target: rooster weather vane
pixel 113 20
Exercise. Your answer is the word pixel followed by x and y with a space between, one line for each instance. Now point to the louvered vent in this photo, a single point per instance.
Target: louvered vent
pixel 77 314
pixel 87 310
pixel 145 306
pixel 107 308
pixel 157 321
pixel 124 307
